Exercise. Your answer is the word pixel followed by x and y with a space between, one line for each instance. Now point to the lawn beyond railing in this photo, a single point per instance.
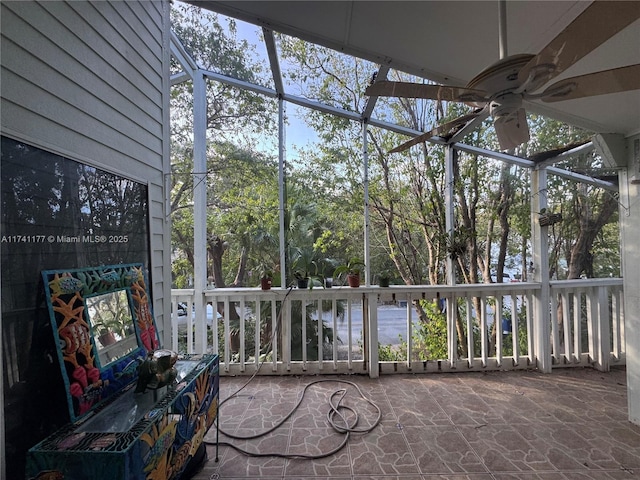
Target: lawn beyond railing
pixel 491 327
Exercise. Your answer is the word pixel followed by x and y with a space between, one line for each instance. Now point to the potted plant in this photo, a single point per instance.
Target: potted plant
pixel 107 331
pixel 265 272
pixel 304 266
pixel 266 278
pixel 351 270
pixel 325 268
pixel 106 337
pixel 383 278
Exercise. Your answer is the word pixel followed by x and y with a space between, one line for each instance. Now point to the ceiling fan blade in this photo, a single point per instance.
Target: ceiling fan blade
pixel 422 90
pixel 600 21
pixel 616 80
pixel 512 130
pixel 553 153
pixel 439 130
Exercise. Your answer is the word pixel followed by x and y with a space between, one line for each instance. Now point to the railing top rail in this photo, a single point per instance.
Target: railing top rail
pixel 587 282
pixel 434 290
pixel 430 291
pixel 182 291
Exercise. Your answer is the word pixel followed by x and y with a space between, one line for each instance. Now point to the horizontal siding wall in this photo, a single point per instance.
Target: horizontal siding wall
pixel 88 80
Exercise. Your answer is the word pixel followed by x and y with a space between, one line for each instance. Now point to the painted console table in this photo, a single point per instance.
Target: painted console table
pixel 116 433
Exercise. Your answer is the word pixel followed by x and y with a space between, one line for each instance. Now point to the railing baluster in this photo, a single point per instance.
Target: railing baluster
pixel 470 342
pixel 515 329
pixel 498 328
pixel 555 337
pixel 529 310
pixel 256 340
pixel 303 306
pixel 483 331
pixel 190 332
pixel 319 314
pixel 566 323
pixel 174 323
pixel 409 331
pixel 227 333
pixel 349 333
pixel 618 323
pixel 215 330
pixel 285 326
pixel 577 326
pixel 604 334
pixel 334 319
pixel 452 334
pixel 241 358
pixel 591 324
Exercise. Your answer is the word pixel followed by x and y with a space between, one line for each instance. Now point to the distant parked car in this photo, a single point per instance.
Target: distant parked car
pixel 506 278
pixel 182 314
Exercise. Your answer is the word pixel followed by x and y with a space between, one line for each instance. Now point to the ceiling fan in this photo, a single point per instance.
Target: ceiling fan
pixel 501 89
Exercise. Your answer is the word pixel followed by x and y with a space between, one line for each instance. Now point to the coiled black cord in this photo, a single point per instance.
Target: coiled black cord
pixel 335 415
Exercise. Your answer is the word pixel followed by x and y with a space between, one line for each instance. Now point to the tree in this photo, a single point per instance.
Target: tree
pixel 234 117
pixel 325 185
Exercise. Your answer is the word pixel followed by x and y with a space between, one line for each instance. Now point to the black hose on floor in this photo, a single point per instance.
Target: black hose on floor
pixel 336 417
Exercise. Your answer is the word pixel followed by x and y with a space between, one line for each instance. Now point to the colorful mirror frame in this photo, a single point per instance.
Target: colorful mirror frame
pixel 87 382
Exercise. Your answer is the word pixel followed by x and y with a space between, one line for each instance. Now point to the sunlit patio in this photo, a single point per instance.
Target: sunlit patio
pixel 475 426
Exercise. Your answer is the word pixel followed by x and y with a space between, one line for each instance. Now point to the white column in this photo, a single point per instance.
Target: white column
pixel 540 245
pixel 365 181
pixel 200 208
pixel 283 339
pixel 629 181
pixel 282 148
pixel 452 341
pixel 370 300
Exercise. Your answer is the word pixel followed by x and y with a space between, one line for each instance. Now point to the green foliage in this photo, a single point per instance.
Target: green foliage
pixel 353 266
pixel 523 339
pixel 393 353
pixel 325 184
pixel 214 46
pixel 430 337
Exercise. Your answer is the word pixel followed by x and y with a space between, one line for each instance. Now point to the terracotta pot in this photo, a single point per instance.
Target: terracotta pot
pixel 353 280
pixel 265 283
pixel 107 339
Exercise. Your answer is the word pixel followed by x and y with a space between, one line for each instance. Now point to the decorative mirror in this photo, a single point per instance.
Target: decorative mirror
pixel 103 326
pixel 112 325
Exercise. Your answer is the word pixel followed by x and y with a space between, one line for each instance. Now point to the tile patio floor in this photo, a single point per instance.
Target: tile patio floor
pixel 523 425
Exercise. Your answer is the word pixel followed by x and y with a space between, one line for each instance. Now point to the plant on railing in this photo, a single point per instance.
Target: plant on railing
pixel 303 263
pixel 265 272
pixel 350 271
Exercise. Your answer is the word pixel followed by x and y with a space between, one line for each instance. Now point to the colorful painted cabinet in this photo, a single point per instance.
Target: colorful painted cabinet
pixel 150 436
pixel 103 324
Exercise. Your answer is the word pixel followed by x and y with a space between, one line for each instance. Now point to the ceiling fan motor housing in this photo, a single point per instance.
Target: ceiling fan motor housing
pixel 501 77
pixel 505 105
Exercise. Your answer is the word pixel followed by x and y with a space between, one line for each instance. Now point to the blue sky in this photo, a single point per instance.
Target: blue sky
pixel 298 134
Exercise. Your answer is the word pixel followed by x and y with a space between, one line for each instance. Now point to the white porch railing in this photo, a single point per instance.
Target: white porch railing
pixel 491 327
pixel 587 323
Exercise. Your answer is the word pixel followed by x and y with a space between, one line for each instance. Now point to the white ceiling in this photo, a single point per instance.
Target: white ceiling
pixel 452 41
